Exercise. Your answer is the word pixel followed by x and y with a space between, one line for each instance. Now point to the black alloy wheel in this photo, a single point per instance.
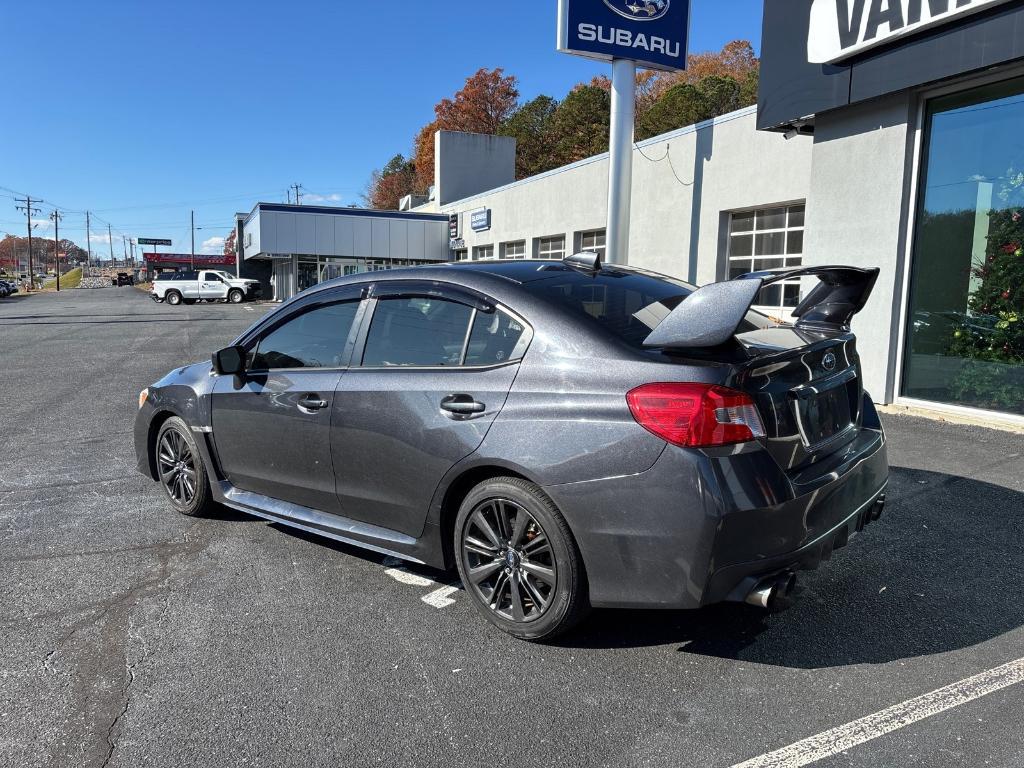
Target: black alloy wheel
pixel 177 466
pixel 180 468
pixel 509 560
pixel 518 560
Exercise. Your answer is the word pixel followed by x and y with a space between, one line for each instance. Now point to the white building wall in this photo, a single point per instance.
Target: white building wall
pixel 858 214
pixel 684 185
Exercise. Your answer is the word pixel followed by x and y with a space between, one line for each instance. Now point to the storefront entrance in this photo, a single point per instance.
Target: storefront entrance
pixel 965 330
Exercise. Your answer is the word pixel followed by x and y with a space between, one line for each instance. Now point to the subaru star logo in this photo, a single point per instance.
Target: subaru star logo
pixel 828 362
pixel 641 10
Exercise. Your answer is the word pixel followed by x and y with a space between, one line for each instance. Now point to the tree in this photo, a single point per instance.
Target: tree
pixel 229 243
pixel 532 127
pixel 680 105
pixel 391 183
pixel 483 104
pixel 581 124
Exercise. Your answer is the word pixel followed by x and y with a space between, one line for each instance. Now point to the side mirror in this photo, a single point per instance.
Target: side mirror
pixel 229 361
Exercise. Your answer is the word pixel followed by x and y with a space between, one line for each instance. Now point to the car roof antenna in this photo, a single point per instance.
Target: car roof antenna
pixel 587 260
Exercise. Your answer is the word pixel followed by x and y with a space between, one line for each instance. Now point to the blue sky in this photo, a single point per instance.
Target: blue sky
pixel 140 111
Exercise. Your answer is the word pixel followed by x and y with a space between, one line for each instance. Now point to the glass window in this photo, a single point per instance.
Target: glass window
pixel 483 252
pixel 629 305
pixel 551 247
pixel 493 339
pixel 417 331
pixel 212 277
pixel 461 254
pixel 775 237
pixel 965 330
pixel 593 241
pixel 514 250
pixel 313 339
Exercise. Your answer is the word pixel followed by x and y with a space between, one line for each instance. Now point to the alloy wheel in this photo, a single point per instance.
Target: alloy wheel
pixel 508 560
pixel 177 467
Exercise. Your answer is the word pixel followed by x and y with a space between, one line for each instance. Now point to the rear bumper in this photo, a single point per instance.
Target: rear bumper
pixel 698 528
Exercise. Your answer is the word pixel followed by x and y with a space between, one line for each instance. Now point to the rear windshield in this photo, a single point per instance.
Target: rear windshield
pixel 629 305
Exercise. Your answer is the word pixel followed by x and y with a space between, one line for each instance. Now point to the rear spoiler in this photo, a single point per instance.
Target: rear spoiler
pixel 711 315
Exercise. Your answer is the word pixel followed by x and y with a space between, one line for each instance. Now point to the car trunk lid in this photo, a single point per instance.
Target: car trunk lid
pixel 807 388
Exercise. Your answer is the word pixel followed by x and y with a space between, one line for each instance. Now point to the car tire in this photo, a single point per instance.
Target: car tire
pixel 180 469
pixel 173 298
pixel 235 296
pixel 533 562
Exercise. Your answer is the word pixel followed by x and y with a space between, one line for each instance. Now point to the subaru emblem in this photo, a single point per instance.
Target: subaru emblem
pixel 828 362
pixel 641 10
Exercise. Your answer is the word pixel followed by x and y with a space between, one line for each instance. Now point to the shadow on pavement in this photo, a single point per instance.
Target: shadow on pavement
pixel 942 570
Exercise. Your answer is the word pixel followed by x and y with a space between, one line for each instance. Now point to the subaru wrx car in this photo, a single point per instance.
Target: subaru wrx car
pixel 566 434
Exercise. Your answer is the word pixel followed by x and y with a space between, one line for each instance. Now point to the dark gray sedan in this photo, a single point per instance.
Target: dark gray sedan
pixel 566 434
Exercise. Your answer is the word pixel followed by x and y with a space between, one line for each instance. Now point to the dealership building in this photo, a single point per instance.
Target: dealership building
pixel 890 139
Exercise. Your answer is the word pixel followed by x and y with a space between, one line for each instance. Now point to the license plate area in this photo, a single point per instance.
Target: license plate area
pixel 825 410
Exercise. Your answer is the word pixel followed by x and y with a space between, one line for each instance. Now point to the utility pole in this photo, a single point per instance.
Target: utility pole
pixel 124 245
pixel 193 263
pixel 29 209
pixel 55 217
pixel 88 245
pixel 110 242
pixel 298 194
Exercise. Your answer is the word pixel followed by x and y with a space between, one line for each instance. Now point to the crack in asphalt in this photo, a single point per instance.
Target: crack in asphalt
pixel 122 606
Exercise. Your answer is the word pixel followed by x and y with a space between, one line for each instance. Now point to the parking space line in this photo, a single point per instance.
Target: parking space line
pixel 403 576
pixel 844 737
pixel 440 598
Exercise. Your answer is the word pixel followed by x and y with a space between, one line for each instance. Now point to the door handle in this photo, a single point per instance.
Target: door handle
pixel 462 405
pixel 312 403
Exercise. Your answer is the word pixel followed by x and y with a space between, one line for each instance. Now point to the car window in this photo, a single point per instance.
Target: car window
pixel 629 305
pixel 417 331
pixel 313 339
pixel 493 339
pixel 212 277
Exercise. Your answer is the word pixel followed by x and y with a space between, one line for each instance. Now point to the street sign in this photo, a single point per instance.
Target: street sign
pixel 453 225
pixel 153 241
pixel 652 33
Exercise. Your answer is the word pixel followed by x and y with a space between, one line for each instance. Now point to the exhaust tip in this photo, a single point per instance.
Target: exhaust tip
pixel 878 507
pixel 774 592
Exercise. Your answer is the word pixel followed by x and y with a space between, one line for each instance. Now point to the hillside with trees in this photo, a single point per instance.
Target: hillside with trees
pixel 14 252
pixel 550 133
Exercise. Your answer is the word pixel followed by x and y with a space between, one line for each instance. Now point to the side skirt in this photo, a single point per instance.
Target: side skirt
pixel 364 535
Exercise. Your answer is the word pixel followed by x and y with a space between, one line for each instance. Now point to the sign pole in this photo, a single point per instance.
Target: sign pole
pixel 620 160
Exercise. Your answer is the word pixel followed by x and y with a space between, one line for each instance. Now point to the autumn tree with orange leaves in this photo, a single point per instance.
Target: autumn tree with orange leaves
pixel 483 105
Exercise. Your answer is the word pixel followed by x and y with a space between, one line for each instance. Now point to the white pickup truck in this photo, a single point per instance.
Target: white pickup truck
pixel 207 284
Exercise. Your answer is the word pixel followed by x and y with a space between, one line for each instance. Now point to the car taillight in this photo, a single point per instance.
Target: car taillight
pixel 695 415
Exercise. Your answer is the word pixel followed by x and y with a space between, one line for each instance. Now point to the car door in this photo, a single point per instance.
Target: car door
pixel 272 430
pixel 433 369
pixel 212 286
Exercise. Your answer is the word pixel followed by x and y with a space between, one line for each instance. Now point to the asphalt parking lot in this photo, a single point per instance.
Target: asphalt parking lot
pixel 134 636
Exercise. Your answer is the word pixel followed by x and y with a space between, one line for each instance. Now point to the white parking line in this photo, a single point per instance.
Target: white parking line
pixel 844 737
pixel 439 598
pixel 412 579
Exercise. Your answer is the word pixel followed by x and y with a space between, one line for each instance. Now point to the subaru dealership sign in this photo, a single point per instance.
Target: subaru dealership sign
pixel 841 28
pixel 653 33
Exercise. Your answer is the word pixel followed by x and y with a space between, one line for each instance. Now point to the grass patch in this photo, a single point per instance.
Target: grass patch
pixel 71 279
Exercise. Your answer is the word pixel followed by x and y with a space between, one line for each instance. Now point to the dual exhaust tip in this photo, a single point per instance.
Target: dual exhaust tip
pixel 774 592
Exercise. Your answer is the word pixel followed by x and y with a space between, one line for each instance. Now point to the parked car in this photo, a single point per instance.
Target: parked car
pixel 565 434
pixel 5 289
pixel 207 284
pixel 124 278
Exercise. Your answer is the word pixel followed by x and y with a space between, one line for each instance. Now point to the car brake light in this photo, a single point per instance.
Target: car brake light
pixel 695 415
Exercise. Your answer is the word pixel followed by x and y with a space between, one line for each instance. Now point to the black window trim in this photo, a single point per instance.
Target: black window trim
pixel 399 289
